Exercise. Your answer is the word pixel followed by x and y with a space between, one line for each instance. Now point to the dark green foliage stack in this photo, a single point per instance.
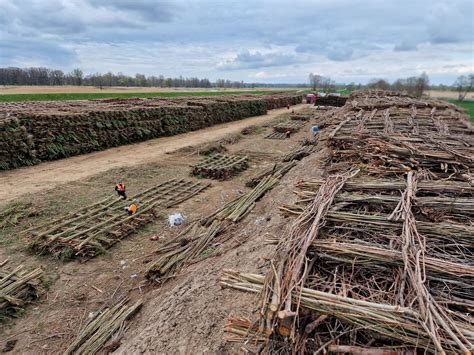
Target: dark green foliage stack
pixel 63 131
pixel 16 145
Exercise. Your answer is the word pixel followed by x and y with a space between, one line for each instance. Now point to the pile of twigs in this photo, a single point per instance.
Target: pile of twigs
pixel 277 170
pixel 220 166
pixel 17 288
pixel 104 326
pixel 186 248
pixel 300 117
pixel 242 205
pixel 381 258
pixel 90 230
pixel 193 243
pixel 288 126
pixel 299 153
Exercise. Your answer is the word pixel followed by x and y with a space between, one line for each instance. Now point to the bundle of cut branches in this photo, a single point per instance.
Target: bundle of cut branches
pixel 103 327
pixel 17 288
pixel 90 230
pixel 299 153
pixel 277 170
pixel 387 262
pixel 242 205
pixel 401 323
pixel 184 249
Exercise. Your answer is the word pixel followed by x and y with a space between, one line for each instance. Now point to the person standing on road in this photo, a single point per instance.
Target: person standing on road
pixel 120 188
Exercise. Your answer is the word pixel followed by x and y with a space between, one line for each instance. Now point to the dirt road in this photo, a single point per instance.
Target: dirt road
pixel 51 174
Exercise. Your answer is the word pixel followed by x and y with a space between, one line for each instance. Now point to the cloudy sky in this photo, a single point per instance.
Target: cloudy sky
pixel 251 40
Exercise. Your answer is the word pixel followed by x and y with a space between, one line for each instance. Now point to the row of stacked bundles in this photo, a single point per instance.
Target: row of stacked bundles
pixel 40 131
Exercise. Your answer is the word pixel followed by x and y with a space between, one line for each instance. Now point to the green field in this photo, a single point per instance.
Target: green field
pixel 127 95
pixel 469 105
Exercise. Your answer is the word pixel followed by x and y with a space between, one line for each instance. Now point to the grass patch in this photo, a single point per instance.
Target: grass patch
pixel 124 95
pixel 469 105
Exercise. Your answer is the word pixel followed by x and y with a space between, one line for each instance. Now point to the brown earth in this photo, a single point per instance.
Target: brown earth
pixel 48 175
pixel 444 94
pixel 183 315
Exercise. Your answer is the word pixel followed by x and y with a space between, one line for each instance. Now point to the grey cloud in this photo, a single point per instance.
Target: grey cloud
pixel 280 34
pixel 405 47
pixel 29 51
pixel 151 10
pixel 257 60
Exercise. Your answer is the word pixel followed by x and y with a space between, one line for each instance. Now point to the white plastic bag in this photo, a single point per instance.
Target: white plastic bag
pixel 176 219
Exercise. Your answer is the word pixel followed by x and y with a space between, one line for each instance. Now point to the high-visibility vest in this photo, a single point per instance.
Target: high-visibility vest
pixel 120 187
pixel 133 208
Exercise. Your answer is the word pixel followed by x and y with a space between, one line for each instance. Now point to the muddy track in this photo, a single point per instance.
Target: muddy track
pixel 48 175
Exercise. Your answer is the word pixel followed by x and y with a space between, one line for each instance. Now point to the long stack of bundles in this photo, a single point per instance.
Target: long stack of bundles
pixel 54 130
pixel 379 256
pixel 16 145
pixel 331 100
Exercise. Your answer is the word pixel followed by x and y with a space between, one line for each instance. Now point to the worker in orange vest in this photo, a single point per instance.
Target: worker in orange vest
pixel 120 188
pixel 131 209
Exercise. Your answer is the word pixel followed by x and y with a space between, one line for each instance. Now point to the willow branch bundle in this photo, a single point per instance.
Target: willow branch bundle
pixel 299 153
pixel 435 319
pixel 396 322
pixel 277 170
pixel 184 249
pixel 17 288
pixel 240 206
pixel 447 204
pixel 196 238
pixel 281 284
pixel 239 329
pixel 99 330
pixel 89 231
pixel 458 188
pixel 365 254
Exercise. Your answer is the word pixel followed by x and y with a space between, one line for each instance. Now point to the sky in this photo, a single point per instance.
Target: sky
pixel 267 41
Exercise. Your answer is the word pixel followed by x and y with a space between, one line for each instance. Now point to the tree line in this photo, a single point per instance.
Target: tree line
pixel 413 85
pixel 46 76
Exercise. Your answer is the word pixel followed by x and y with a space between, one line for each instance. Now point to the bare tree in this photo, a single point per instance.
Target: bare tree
pixel 378 84
pixel 315 81
pixel 77 76
pixel 422 83
pixel 464 85
pixel 327 84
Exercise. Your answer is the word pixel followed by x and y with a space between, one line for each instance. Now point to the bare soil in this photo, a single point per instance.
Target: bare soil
pixel 444 94
pixel 184 315
pixel 48 175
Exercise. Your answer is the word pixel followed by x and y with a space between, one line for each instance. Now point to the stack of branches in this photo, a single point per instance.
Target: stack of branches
pixel 110 323
pixel 288 126
pixel 197 240
pixel 220 166
pixel 238 208
pixel 331 100
pixel 277 170
pixel 33 132
pixel 299 153
pixel 285 163
pixel 300 117
pixel 18 287
pixel 399 139
pixel 370 261
pixel 90 230
pixel 16 145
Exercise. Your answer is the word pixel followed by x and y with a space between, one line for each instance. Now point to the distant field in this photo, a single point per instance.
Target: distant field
pixel 467 105
pixel 121 95
pixel 451 95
